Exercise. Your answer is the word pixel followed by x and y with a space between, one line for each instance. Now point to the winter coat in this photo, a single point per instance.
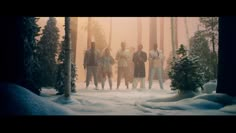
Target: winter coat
pixel 139 59
pixel 89 60
pixel 123 57
pixel 155 58
pixel 106 63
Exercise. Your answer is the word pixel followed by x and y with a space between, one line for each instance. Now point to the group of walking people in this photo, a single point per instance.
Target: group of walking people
pixel 94 60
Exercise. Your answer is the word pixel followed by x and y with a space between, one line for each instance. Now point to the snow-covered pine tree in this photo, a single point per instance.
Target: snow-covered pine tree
pixel 211 32
pixel 199 47
pixel 60 79
pixel 185 73
pixel 18 57
pixel 29 31
pixel 47 50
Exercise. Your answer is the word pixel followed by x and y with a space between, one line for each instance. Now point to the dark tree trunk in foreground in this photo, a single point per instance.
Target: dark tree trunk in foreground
pixel 11 51
pixel 227 60
pixel 68 57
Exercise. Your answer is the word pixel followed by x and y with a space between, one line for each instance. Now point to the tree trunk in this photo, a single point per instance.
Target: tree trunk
pixel 213 37
pixel 68 57
pixel 227 63
pixel 173 37
pixel 89 33
pixel 153 32
pixel 214 64
pixel 139 27
pixel 162 43
pixel 74 25
pixel 110 35
pixel 187 33
pixel 176 32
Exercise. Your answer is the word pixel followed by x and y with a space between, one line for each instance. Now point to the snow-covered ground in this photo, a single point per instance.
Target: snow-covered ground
pixel 142 101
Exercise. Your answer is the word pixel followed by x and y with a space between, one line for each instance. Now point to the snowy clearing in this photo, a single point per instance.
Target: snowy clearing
pixel 143 102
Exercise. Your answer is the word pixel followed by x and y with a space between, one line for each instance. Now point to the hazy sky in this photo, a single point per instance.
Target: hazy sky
pixel 125 29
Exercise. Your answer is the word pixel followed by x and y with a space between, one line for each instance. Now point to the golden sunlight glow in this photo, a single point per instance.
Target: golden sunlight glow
pixel 125 29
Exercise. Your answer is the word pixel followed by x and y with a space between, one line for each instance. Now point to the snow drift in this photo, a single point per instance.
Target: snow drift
pixel 146 102
pixel 16 100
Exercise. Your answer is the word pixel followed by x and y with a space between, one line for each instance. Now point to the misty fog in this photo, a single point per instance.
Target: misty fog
pixel 125 29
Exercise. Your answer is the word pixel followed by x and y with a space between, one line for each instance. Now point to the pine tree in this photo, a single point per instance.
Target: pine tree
pixel 181 52
pixel 199 47
pixel 211 32
pixel 18 58
pixel 48 50
pixel 31 70
pixel 185 73
pixel 60 79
